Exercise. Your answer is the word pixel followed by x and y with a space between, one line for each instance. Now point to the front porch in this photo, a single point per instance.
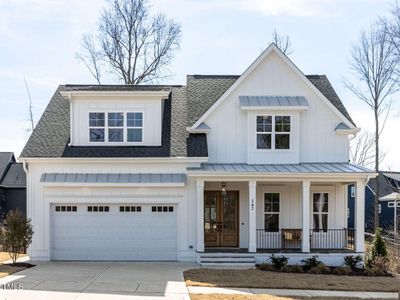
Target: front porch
pixel 278 216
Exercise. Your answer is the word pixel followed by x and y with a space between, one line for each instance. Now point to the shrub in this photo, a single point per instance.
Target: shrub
pixel 342 271
pixel 16 234
pixel 310 263
pixel 378 249
pixel 353 262
pixel 320 269
pixel 278 261
pixel 266 267
pixel 292 269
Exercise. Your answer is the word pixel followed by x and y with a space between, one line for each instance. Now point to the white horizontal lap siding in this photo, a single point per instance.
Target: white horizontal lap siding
pixel 151 109
pixel 115 235
pixel 231 140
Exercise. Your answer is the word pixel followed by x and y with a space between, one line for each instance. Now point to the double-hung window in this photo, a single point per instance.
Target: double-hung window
pixel 135 126
pixel 115 127
pixel 320 211
pixel 97 127
pixel 271 212
pixel 273 132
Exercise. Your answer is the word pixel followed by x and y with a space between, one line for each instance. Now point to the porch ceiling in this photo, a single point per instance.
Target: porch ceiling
pixel 281 169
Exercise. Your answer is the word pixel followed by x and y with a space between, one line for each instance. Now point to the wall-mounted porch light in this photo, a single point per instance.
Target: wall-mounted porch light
pixel 223 188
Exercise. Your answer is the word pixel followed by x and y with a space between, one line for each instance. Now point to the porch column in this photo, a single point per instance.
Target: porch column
pixel 305 238
pixel 252 217
pixel 200 214
pixel 359 208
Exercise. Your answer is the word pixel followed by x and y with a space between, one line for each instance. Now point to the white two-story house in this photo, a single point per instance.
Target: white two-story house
pixel 224 168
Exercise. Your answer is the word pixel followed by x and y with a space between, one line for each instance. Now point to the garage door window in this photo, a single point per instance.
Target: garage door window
pixel 65 208
pixel 130 208
pixel 98 208
pixel 162 209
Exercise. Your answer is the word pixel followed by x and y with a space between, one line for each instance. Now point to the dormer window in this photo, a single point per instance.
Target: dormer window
pixel 116 127
pixel 273 132
pixel 135 126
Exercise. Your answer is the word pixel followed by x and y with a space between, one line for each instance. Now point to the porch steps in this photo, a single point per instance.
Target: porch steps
pixel 227 260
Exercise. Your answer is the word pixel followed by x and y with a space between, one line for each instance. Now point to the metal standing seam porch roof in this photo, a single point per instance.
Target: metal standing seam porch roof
pixel 311 168
pixel 283 101
pixel 112 178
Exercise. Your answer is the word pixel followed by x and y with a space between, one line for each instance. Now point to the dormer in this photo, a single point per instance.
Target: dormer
pixel 116 117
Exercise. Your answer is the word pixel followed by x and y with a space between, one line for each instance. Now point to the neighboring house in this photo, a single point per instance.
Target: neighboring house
pixel 386 209
pixel 252 164
pixel 12 184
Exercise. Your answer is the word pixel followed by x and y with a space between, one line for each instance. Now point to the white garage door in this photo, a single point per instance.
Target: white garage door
pixel 114 232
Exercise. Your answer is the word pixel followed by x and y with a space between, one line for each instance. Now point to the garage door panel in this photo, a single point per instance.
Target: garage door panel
pixel 114 235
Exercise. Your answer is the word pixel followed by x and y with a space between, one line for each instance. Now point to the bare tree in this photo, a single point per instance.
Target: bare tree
pixel 282 42
pixel 362 150
pixel 30 108
pixel 91 57
pixel 374 64
pixel 131 44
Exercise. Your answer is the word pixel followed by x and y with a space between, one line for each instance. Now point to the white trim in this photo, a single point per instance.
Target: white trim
pixel 97 160
pixel 96 94
pixel 273 133
pixel 198 130
pixel 291 65
pixel 264 176
pixel 347 131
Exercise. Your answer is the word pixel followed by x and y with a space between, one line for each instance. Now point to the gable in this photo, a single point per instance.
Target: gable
pixel 318 84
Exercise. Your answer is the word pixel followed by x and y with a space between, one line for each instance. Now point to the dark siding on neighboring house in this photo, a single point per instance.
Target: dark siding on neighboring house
pixel 386 213
pixel 13 189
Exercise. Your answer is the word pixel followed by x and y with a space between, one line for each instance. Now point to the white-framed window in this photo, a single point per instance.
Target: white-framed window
pixel 134 124
pixel 271 211
pixel 352 191
pixel 273 132
pixel 97 127
pixel 391 204
pixel 320 210
pixel 116 127
pixel 66 208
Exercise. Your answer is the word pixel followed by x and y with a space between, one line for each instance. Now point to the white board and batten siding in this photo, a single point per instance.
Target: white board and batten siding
pixel 170 229
pixel 232 135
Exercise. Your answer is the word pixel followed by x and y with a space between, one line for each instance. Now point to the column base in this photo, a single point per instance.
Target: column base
pixel 200 248
pixel 252 248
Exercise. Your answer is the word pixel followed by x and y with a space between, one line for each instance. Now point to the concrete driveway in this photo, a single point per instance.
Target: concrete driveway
pixel 97 280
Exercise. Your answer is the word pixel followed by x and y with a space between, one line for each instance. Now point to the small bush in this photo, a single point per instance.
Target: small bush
pixel 354 262
pixel 342 271
pixel 279 261
pixel 378 249
pixel 320 269
pixel 310 263
pixel 266 267
pixel 292 269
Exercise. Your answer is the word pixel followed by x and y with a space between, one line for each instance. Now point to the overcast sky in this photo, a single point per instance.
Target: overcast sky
pixel 39 38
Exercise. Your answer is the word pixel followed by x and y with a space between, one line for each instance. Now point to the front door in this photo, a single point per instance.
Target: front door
pixel 221 219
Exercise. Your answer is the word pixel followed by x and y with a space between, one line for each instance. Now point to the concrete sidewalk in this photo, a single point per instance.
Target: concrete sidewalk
pixel 291 292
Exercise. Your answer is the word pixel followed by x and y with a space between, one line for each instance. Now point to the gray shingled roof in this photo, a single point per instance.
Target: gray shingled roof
pixel 5 159
pixel 15 177
pixel 188 103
